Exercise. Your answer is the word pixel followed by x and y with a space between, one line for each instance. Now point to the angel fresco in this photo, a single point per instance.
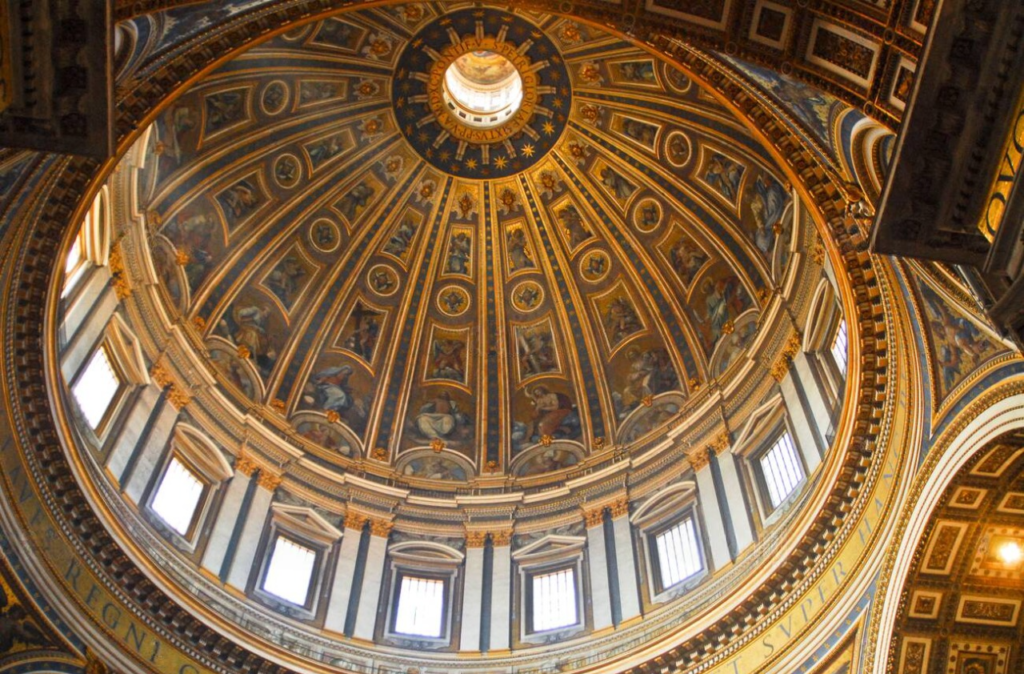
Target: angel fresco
pixel 398 244
pixel 724 175
pixel 223 109
pixel 286 280
pixel 650 373
pixel 434 468
pixel 767 206
pixel 519 255
pixel 686 259
pixel 247 324
pixel 535 347
pixel 355 200
pixel 234 371
pixel 616 184
pixel 572 224
pixel 330 391
pixel 460 249
pixel 325 436
pixel 638 71
pixel 447 360
pixel 323 151
pixel 639 131
pixel 442 418
pixel 193 237
pixel 724 300
pixel 239 201
pixel 959 345
pixel 621 320
pixel 554 416
pixel 361 331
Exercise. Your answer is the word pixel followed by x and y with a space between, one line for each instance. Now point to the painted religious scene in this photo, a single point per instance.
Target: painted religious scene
pixel 452 307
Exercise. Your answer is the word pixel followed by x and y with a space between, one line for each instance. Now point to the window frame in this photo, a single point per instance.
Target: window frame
pixel 306 528
pixel 102 429
pixel 550 554
pixel 427 560
pixel 661 512
pixel 202 458
pixel 771 512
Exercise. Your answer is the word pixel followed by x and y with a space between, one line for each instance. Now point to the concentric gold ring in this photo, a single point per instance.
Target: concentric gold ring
pixel 450 122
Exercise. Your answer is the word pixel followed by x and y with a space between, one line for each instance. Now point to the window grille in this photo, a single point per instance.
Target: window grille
pixel 782 469
pixel 420 607
pixel 678 553
pixel 554 600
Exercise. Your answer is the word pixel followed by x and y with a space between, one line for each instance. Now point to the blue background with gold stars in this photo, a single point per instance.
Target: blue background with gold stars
pixel 529 145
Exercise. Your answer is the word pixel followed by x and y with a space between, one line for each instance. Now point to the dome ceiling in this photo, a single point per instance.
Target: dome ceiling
pixel 454 300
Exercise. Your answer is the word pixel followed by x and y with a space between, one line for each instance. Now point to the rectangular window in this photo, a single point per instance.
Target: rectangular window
pixel 782 469
pixel 554 600
pixel 290 571
pixel 839 347
pixel 678 553
pixel 96 388
pixel 178 496
pixel 420 607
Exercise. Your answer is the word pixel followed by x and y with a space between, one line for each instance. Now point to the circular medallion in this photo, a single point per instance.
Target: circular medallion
pixel 594 266
pixel 527 296
pixel 382 280
pixel 274 97
pixel 453 301
pixel 324 235
pixel 677 149
pixel 487 106
pixel 647 216
pixel 287 171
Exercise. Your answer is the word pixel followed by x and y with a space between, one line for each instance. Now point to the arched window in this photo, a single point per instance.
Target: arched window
pixel 826 340
pixel 91 246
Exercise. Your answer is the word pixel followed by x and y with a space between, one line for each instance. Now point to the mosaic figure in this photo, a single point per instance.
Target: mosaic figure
pixel 724 175
pixel 460 248
pixel 361 331
pixel 573 226
pixel 519 254
pixel 535 346
pixel 447 359
pixel 768 204
pixel 442 418
pixel 287 280
pixel 355 201
pixel 650 373
pixel 224 109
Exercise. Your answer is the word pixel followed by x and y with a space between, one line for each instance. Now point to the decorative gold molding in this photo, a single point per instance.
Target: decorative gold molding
pixel 721 443
pixel 781 366
pixel 160 376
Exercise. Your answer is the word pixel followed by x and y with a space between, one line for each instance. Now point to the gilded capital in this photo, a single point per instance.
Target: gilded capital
pixel 381 527
pixel 245 465
pixel 501 537
pixel 160 376
pixel 354 520
pixel 178 397
pixel 594 517
pixel 476 539
pixel 268 481
pixel 698 458
pixel 720 443
pixel 619 507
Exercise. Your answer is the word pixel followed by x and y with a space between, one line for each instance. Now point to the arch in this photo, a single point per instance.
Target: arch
pixel 664 501
pixel 202 452
pixel 430 552
pixel 821 321
pixel 1000 411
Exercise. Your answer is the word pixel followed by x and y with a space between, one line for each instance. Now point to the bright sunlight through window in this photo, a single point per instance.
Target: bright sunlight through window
pixel 290 571
pixel 554 600
pixel 420 607
pixel 177 496
pixel 839 346
pixel 96 388
pixel 678 553
pixel 782 469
